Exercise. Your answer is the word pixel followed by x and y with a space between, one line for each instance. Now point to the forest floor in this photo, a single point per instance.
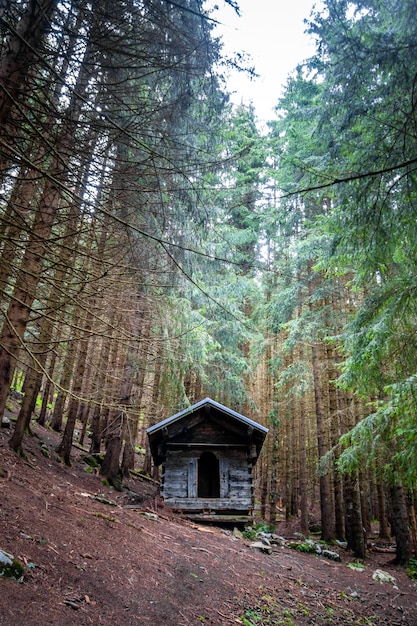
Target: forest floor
pixel 90 558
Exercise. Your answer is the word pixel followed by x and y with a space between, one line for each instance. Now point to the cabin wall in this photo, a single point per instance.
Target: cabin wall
pixel 180 479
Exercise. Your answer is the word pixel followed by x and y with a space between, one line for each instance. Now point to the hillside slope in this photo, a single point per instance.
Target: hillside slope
pixel 93 559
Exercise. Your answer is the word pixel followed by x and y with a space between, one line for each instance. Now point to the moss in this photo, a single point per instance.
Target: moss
pixel 10 567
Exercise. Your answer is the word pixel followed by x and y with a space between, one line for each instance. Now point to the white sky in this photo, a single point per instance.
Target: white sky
pixel 272 32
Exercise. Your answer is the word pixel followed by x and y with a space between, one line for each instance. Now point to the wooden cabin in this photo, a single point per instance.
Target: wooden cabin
pixel 207 452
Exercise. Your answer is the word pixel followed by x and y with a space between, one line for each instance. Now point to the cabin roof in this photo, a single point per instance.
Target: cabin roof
pixel 168 427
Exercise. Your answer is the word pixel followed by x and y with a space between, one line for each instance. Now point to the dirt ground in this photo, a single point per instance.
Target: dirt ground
pixel 91 558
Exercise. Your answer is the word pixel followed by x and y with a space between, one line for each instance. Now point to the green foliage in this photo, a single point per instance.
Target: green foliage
pixel 349 114
pixel 356 566
pixel 11 567
pixel 308 547
pixel 251 532
pixel 411 569
pixel 93 460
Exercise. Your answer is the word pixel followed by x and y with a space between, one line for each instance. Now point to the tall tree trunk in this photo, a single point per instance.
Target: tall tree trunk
pixel 326 496
pixel 24 293
pixel 400 525
pixel 335 432
pixel 382 513
pixel 16 221
pixel 65 380
pixel 302 465
pixel 48 389
pixel 321 402
pixel 41 348
pixel 353 517
pixel 273 496
pixel 65 447
pixel 128 461
pixel 413 519
pixel 110 468
pixel 11 336
pixel 20 52
pixel 155 392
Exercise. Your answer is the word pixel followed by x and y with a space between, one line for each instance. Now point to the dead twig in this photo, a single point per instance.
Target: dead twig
pixel 201 550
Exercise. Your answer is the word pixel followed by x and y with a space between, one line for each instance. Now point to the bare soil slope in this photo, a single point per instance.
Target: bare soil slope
pixel 92 559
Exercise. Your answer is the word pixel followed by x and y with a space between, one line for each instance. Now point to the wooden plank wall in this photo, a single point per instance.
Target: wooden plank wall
pixel 179 481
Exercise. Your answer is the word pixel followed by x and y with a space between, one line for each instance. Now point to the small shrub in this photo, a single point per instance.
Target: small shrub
pixel 251 532
pixel 411 569
pixel 304 547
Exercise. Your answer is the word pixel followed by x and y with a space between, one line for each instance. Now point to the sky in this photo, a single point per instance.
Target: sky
pixel 272 32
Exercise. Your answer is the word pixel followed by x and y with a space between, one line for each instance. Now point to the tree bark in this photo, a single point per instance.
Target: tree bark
pixel 400 525
pixel 48 390
pixel 302 463
pixel 110 468
pixel 131 428
pixel 20 52
pixel 41 348
pixel 11 336
pixel 353 517
pixel 326 496
pixel 382 513
pixel 65 447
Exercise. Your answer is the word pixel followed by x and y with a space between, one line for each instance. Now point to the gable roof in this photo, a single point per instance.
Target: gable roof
pixel 166 428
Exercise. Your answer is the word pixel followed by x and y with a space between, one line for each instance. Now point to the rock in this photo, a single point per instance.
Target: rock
pixel 237 533
pixel 277 540
pixel 261 546
pixel 5 422
pixel 329 554
pixel 383 577
pixel 6 558
pixel 9 566
pixel 17 395
pixel 45 450
pixel 264 537
pixel 152 516
pixel 300 536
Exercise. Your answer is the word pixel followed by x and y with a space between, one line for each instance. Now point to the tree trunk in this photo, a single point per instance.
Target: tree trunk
pixel 16 220
pixel 335 410
pixel 326 499
pixel 128 461
pixel 353 517
pixel 25 291
pixel 413 521
pixel 41 348
pixel 20 52
pixel 32 387
pixel 47 390
pixel 302 464
pixel 65 447
pixel 64 383
pixel 382 513
pixel 400 525
pixel 29 276
pixel 104 361
pixel 273 496
pixel 110 468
